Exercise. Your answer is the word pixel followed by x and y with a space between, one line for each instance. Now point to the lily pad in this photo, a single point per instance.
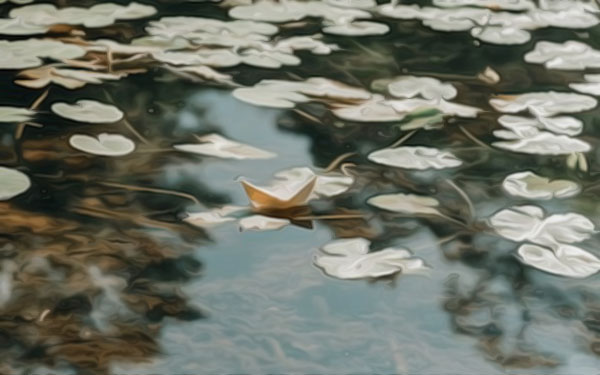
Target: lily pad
pixel 15 114
pixel 408 204
pixel 211 218
pixel 104 145
pixel 591 86
pixel 221 147
pixel 425 87
pixel 89 111
pixel 544 104
pixel 99 15
pixel 29 53
pixel 570 55
pixel 417 157
pixel 262 223
pixel 541 143
pixel 350 259
pixel 69 78
pixel 529 223
pixel 566 260
pixel 12 183
pixel 529 185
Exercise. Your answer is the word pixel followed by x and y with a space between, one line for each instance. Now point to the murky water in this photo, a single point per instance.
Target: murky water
pixel 451 147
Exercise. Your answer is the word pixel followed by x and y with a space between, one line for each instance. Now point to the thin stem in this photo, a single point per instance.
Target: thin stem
pixel 464 195
pixel 473 138
pixel 21 127
pixel 403 139
pixel 336 162
pixel 151 190
pixel 127 123
pixel 307 116
pixel 453 220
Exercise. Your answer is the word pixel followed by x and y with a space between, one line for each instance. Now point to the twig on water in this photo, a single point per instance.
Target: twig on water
pixel 464 195
pixel 21 127
pixel 151 190
pixel 473 138
pixel 403 139
pixel 336 162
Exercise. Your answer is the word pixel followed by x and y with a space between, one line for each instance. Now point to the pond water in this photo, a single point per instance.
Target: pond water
pixel 445 221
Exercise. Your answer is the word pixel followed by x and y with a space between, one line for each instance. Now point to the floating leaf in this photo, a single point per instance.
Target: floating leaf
pixel 529 185
pixel 12 183
pixel 69 78
pixel 104 145
pixel 285 94
pixel 409 204
pixel 528 223
pixel 566 260
pixel 425 87
pixel 591 86
pixel 15 114
pixel 213 217
pixel 542 143
pixel 97 16
pixel 417 157
pixel 496 27
pixel 221 147
pixel 526 127
pixel 350 259
pixel 89 111
pixel 29 53
pixel 358 28
pixel 570 55
pixel 262 223
pixel 544 104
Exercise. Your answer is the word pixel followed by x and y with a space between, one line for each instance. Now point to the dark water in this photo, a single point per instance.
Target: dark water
pixel 101 274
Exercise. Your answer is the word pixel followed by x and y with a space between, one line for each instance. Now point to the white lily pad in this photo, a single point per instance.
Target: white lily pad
pixel 501 35
pixel 570 55
pixel 357 28
pixel 491 4
pixel 29 53
pixel 377 109
pixel 15 114
pixel 591 86
pixel 104 144
pixel 285 94
pixel 415 157
pixel 69 78
pixel 221 147
pixel 544 104
pixel 211 218
pixel 262 223
pixel 350 259
pixel 565 260
pixel 526 126
pixel 529 223
pixel 99 15
pixel 529 185
pixel 409 204
pixel 12 183
pixel 425 87
pixel 541 143
pixel 89 111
